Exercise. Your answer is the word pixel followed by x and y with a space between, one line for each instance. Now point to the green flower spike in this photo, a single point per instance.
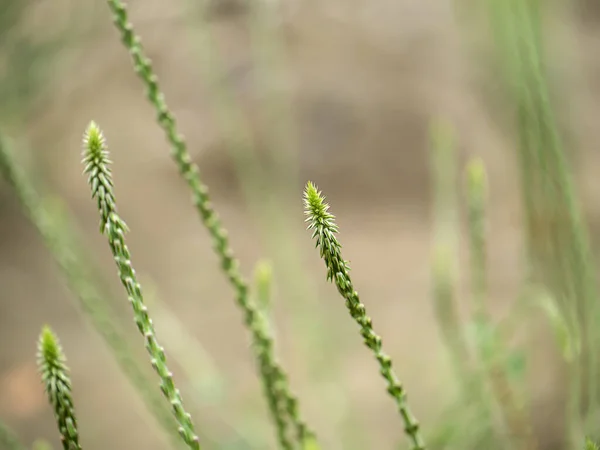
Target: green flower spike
pixel 55 226
pixel 97 167
pixel 338 271
pixel 55 375
pixel 262 341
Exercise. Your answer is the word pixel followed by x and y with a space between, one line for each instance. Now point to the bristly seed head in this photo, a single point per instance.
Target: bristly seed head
pixel 97 167
pixel 54 372
pixel 50 355
pixel 94 145
pixel 96 159
pixel 317 210
pixel 52 365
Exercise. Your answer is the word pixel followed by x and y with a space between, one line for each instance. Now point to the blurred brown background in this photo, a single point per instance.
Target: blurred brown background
pixel 364 79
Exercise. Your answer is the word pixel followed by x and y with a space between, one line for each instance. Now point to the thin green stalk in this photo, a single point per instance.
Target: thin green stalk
pixel 445 251
pixel 266 43
pixel 55 375
pixel 472 384
pixel 576 272
pixel 476 193
pixel 95 158
pixel 233 125
pixel 198 366
pixel 322 222
pixel 558 242
pixel 8 438
pixel 263 286
pixel 205 381
pixel 489 345
pixel 543 212
pixel 56 229
pixel 270 214
pixel 262 341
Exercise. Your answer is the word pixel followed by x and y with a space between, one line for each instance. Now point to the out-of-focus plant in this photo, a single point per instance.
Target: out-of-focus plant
pixel 57 383
pixel 28 59
pixel 8 438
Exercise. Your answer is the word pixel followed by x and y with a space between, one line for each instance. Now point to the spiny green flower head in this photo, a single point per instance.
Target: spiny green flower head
pixel 322 223
pixel 97 168
pixel 55 375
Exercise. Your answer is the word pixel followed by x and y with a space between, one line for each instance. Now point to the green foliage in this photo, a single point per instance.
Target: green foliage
pixel 489 373
pixel 55 226
pixel 558 249
pixel 444 264
pixel 557 238
pixel 476 199
pixel 282 401
pixel 324 230
pixel 55 376
pixel 489 345
pixel 486 379
pixel 95 158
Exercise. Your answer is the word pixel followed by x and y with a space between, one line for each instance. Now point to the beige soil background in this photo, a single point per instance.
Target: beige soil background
pixel 366 79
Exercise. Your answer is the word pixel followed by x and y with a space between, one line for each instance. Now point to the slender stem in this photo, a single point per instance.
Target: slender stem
pixel 338 271
pixel 490 348
pixel 95 158
pixel 262 341
pixel 53 224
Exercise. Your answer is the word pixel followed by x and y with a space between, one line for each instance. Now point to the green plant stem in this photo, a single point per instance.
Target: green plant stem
pixel 558 244
pixel 206 382
pixel 55 375
pixel 8 438
pixel 262 341
pixel 270 214
pixel 445 252
pixel 324 228
pixel 472 383
pixel 95 158
pixel 490 349
pixel 56 229
pixel 576 264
